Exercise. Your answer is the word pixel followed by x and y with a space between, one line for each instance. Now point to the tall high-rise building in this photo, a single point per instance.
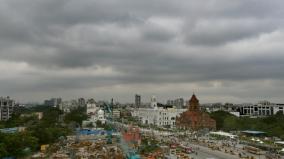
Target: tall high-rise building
pixel 137 100
pixel 178 103
pixel 7 107
pixel 154 103
pixel 53 102
pixel 81 102
pixel 170 102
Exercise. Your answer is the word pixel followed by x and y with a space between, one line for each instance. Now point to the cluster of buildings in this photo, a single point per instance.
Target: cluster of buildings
pixel 95 114
pixel 158 115
pixel 179 103
pixel 68 105
pixel 170 116
pixel 260 109
pixel 96 111
pixel 173 114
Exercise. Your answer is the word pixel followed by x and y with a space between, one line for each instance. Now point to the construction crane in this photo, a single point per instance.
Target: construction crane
pixel 129 152
pixel 108 109
pixel 77 131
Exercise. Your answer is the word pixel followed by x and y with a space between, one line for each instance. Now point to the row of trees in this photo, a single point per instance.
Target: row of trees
pixel 273 125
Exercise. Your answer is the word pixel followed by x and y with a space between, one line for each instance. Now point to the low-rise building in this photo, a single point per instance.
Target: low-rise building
pixel 39 115
pixel 116 114
pixel 99 115
pixel 13 130
pixel 261 109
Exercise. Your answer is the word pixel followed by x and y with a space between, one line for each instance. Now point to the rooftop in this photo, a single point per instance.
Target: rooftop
pixel 253 132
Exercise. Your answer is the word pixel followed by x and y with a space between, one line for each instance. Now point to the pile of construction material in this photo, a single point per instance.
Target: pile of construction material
pixel 96 150
pixel 60 155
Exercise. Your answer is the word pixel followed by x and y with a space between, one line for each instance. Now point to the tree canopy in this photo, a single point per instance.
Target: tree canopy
pixel 272 125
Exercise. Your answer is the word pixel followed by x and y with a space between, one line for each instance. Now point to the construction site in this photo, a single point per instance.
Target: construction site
pixel 125 140
pixel 116 141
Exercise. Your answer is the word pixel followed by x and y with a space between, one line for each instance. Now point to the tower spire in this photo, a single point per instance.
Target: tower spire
pixel 193 103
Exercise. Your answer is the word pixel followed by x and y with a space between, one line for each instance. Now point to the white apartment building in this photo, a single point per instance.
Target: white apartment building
pixel 95 113
pixel 159 116
pixel 261 109
pixel 67 106
pixel 116 114
pixel 92 108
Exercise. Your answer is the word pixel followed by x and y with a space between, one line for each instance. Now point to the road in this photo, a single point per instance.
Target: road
pixel 206 153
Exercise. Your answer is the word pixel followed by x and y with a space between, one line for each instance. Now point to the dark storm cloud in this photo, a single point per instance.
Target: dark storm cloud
pixel 68 45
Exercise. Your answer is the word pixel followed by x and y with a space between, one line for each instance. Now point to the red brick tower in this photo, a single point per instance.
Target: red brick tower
pixel 193 104
pixel 194 118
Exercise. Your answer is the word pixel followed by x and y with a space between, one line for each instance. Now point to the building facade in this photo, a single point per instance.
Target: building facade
pixel 260 109
pixel 158 115
pixel 161 117
pixel 67 106
pixel 115 114
pixel 154 103
pixel 178 103
pixel 92 107
pixel 137 101
pixel 53 102
pixel 81 102
pixel 95 113
pixel 194 118
pixel 7 108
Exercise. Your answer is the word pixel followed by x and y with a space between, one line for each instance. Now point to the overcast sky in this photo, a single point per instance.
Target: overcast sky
pixel 227 51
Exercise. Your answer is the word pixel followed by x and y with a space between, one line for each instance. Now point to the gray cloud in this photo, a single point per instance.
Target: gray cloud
pixel 118 48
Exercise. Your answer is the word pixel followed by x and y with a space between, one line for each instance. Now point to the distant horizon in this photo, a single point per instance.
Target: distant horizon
pixel 143 101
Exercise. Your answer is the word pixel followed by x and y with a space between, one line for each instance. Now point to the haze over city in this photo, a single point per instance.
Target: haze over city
pixel 224 51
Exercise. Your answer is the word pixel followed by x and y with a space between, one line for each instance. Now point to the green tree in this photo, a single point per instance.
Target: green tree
pixel 230 123
pixel 15 144
pixel 76 115
pixel 273 125
pixel 99 124
pixel 219 117
pixel 3 151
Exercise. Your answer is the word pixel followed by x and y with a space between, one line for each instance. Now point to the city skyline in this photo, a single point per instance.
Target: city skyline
pixel 223 51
